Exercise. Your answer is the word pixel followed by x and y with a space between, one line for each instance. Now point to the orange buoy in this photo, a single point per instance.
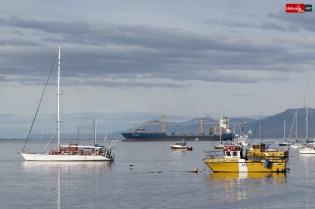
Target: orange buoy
pixel 196 170
pixel 169 159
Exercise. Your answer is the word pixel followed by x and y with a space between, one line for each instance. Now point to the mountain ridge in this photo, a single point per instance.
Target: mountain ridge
pixel 270 126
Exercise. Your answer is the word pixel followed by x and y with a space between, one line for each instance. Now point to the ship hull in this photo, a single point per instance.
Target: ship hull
pixel 149 137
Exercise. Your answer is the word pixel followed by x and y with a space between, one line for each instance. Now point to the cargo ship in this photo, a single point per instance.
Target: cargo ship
pixel 222 132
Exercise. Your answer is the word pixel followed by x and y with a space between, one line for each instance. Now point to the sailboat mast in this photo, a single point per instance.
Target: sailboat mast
pixel 261 126
pixel 284 130
pixel 307 111
pixel 58 100
pixel 95 124
pixel 296 125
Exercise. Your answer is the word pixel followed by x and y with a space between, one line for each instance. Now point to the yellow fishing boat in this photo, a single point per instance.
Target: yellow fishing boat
pixel 261 151
pixel 256 159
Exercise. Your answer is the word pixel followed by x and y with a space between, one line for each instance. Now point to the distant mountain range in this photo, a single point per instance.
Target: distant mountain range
pixel 267 127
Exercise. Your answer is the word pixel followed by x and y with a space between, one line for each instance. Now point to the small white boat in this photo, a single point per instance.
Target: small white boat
pixel 219 146
pixel 180 146
pixel 296 144
pixel 284 143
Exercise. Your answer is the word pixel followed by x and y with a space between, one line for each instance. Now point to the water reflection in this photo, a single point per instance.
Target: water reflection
pixel 180 151
pixel 306 162
pixel 237 186
pixel 229 176
pixel 79 167
pixel 62 177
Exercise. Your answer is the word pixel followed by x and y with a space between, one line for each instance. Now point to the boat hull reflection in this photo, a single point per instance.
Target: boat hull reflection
pixel 224 176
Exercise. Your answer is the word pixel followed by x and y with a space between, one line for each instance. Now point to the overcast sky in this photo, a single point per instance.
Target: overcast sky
pixel 131 61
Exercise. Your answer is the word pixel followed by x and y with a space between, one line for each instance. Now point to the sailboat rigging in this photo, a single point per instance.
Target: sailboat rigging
pixel 73 151
pixel 297 142
pixel 308 148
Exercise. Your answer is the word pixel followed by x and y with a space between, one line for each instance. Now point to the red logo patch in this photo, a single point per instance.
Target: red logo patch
pixel 295 8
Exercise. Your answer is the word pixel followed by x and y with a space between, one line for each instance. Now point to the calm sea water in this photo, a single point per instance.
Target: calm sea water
pixel 153 181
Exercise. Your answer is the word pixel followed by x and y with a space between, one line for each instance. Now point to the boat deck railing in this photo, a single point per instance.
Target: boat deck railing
pixel 214 154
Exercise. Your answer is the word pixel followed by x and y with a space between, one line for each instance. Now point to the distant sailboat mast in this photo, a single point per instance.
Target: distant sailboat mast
pixel 284 130
pixel 95 124
pixel 296 126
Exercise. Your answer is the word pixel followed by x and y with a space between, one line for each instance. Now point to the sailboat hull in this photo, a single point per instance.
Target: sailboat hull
pixel 48 157
pixel 307 151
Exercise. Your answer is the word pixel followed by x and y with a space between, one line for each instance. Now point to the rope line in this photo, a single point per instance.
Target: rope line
pixel 29 133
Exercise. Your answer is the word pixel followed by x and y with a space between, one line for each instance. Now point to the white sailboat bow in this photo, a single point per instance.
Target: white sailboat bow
pixel 73 151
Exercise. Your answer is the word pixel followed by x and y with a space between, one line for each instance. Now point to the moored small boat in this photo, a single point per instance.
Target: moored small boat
pixel 284 143
pixel 219 146
pixel 180 146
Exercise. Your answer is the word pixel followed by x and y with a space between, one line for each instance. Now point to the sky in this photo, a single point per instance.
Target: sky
pixel 134 61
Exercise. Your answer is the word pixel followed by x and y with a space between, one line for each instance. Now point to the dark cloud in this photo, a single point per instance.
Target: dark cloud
pixel 105 52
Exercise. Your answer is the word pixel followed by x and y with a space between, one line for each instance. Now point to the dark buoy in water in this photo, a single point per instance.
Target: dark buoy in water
pixel 130 165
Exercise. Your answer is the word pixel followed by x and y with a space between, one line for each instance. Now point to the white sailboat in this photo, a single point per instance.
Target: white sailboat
pixel 297 143
pixel 285 142
pixel 308 148
pixel 73 151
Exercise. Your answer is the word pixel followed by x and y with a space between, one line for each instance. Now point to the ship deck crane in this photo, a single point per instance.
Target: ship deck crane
pixel 202 123
pixel 152 123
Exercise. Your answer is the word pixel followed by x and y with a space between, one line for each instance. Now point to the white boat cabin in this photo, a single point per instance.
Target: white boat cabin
pixel 228 152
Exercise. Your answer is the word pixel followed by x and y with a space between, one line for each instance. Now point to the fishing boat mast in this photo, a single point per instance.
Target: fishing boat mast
pixel 58 100
pixel 95 124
